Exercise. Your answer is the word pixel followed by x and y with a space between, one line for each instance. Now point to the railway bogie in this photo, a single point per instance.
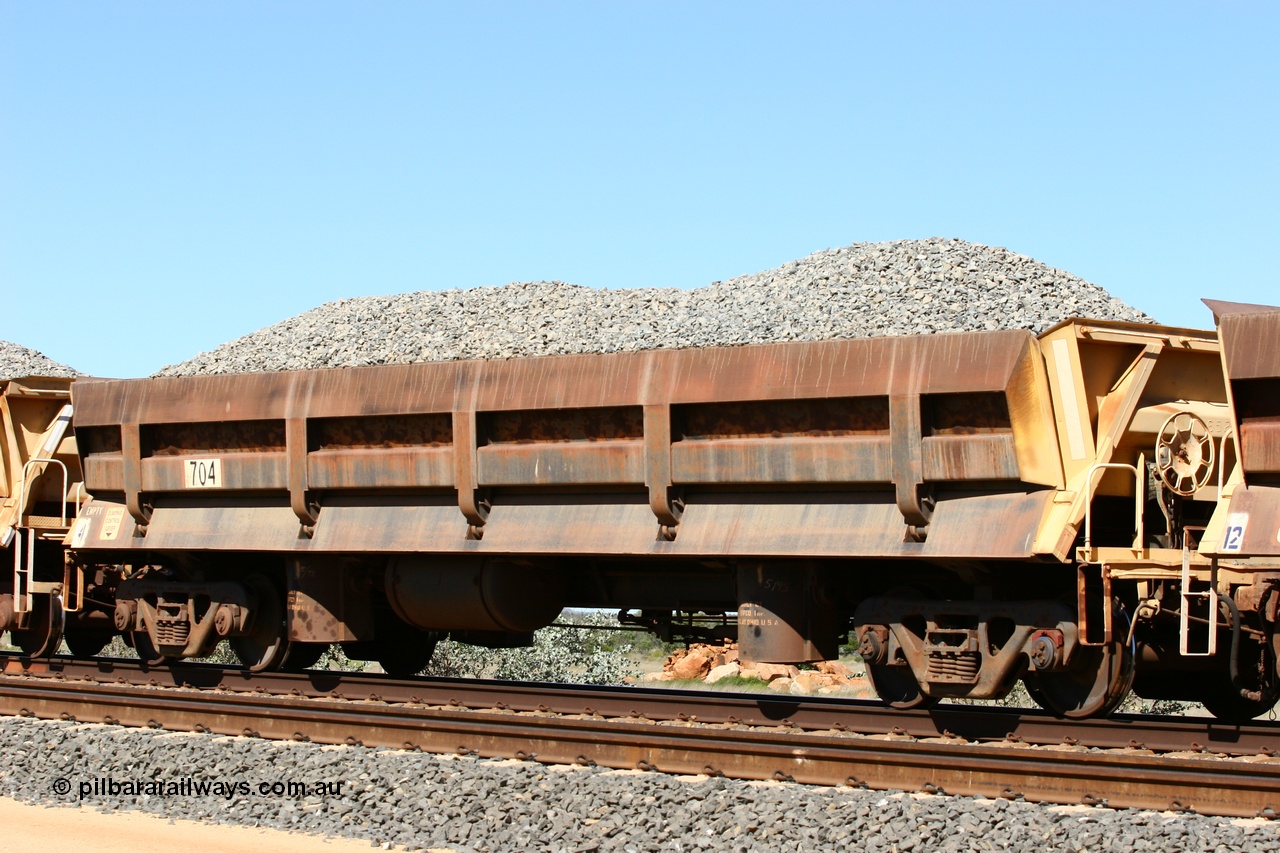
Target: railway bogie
pixel 1087 511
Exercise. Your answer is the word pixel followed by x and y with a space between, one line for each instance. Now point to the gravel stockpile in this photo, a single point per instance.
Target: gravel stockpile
pixel 17 360
pixel 863 290
pixel 415 801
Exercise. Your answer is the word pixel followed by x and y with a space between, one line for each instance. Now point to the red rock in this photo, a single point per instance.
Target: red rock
pixel 696 664
pixel 833 667
pixel 724 670
pixel 807 682
pixel 770 671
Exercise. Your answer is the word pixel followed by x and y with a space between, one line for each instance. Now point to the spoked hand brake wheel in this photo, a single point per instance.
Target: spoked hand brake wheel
pixel 1184 453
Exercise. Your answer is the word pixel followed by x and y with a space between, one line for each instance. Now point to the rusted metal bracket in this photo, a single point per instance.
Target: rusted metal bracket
pixel 664 500
pixel 307 510
pixel 1082 605
pixel 914 501
pixel 472 501
pixel 73 584
pixel 131 452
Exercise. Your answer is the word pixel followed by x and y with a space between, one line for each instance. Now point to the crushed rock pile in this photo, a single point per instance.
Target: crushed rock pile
pixel 17 361
pixel 863 290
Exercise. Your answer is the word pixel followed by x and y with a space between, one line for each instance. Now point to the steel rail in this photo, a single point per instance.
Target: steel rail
pixel 809 713
pixel 1133 779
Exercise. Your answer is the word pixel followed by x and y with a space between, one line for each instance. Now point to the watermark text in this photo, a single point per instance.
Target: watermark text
pixel 228 789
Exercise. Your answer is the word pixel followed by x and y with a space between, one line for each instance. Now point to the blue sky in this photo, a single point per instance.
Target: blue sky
pixel 174 175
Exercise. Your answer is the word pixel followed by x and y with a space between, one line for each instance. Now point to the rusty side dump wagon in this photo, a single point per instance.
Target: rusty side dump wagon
pixel 977 507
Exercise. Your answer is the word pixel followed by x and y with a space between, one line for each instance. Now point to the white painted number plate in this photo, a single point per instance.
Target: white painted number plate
pixel 1233 537
pixel 202 473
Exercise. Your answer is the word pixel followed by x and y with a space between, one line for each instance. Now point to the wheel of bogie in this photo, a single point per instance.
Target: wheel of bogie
pixel 1226 703
pixel 1257 669
pixel 409 656
pixel 897 687
pixel 1096 681
pixel 86 644
pixel 145 649
pixel 303 656
pixel 44 627
pixel 406 652
pixel 266 647
pixel 1033 692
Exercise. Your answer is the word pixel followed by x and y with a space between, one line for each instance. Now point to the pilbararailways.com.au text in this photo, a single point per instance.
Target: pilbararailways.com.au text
pixel 189 787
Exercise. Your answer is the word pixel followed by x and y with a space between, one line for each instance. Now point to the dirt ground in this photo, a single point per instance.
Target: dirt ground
pixel 85 830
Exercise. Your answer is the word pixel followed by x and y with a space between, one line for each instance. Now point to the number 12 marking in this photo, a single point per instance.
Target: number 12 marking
pixel 1233 536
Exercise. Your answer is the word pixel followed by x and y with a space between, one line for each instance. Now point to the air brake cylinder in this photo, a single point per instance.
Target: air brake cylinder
pixel 441 592
pixel 785 614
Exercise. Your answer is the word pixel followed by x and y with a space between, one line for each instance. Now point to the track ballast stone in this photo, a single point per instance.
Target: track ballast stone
pixel 864 290
pixel 412 801
pixel 17 361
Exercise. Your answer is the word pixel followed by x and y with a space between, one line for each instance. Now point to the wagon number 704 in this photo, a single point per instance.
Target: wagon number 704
pixel 202 473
